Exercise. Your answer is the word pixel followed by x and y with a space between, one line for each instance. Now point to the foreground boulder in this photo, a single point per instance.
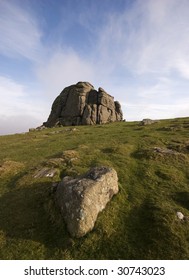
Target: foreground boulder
pixel 80 200
pixel 81 104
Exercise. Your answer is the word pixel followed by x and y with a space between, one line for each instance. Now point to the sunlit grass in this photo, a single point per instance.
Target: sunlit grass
pixel 139 223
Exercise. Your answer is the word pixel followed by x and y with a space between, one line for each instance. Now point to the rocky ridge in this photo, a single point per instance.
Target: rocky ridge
pixel 81 104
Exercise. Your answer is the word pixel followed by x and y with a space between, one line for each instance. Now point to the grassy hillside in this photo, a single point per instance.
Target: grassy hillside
pixel 139 223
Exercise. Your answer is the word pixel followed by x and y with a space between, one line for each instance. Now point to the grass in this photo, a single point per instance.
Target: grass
pixel 139 223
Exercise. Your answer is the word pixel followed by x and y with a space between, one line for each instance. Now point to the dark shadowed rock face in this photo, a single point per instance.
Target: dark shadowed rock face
pixel 81 104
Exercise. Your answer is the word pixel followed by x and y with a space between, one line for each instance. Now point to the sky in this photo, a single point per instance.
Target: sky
pixel 137 50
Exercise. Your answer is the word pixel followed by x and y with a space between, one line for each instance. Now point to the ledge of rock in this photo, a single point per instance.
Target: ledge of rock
pixel 80 200
pixel 81 104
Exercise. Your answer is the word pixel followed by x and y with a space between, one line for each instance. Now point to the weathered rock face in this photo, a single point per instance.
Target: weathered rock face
pixel 81 199
pixel 81 104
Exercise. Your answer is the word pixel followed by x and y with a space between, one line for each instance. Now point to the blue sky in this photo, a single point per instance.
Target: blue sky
pixel 137 50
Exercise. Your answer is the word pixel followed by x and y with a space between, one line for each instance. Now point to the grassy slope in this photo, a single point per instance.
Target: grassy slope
pixel 139 223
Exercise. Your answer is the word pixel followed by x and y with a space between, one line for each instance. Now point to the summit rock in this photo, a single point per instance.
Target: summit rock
pixel 81 104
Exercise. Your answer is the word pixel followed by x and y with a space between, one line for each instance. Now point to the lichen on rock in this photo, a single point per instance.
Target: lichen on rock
pixel 80 200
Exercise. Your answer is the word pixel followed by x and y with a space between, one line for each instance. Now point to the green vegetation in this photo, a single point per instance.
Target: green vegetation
pixel 139 223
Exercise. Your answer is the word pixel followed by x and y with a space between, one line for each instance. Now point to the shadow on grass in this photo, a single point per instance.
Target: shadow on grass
pixel 108 150
pixel 148 231
pixel 153 232
pixel 182 198
pixel 13 180
pixel 141 154
pixel 30 213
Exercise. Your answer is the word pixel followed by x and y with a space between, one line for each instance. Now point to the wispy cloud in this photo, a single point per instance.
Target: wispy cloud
pixel 139 111
pixel 19 33
pixel 63 68
pixel 145 49
pixel 17 99
pixel 150 37
pixel 161 90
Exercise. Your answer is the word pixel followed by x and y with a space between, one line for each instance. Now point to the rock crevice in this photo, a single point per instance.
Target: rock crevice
pixel 81 104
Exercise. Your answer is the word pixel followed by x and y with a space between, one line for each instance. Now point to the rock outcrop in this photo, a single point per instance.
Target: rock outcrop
pixel 80 200
pixel 148 122
pixel 81 104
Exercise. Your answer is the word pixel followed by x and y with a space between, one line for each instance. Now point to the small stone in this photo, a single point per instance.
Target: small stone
pixel 180 216
pixel 165 151
pixel 45 172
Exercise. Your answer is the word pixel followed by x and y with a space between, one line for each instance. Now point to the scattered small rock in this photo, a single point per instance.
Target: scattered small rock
pixel 180 216
pixel 31 129
pixel 148 122
pixel 72 129
pixel 54 132
pixel 165 151
pixel 45 172
pixel 41 127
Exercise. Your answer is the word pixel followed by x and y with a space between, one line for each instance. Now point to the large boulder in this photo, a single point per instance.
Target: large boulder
pixel 80 200
pixel 81 104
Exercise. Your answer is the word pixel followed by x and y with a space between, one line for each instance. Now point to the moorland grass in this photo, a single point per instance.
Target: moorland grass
pixel 139 223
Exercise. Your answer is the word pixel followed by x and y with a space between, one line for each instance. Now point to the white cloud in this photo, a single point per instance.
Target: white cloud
pixel 63 68
pixel 136 111
pixel 9 88
pixel 182 65
pixel 16 99
pixel 149 37
pixel 147 44
pixel 19 108
pixel 161 90
pixel 17 124
pixel 19 33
